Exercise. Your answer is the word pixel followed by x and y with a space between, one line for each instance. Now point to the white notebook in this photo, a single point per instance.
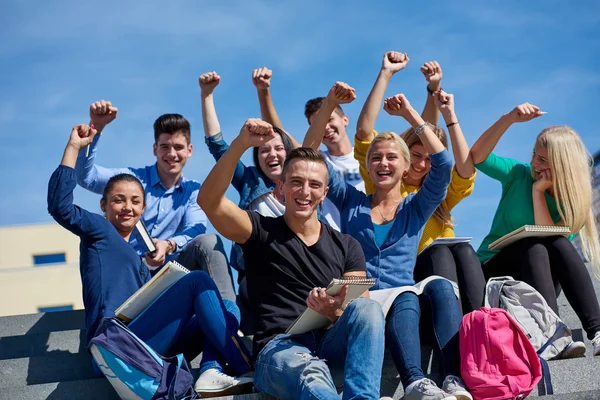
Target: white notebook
pixel 447 241
pixel 386 297
pixel 144 296
pixel 529 231
pixel 310 319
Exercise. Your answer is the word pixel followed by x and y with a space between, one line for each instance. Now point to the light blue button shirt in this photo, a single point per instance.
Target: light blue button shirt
pixel 170 214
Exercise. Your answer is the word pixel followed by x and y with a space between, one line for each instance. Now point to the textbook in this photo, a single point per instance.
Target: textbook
pixel 144 296
pixel 310 319
pixel 529 231
pixel 141 228
pixel 447 241
pixel 386 297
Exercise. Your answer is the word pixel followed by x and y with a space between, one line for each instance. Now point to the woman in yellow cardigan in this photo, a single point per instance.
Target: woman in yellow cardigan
pixel 457 262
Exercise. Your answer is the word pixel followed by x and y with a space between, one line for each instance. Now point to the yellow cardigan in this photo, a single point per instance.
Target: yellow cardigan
pixel 459 189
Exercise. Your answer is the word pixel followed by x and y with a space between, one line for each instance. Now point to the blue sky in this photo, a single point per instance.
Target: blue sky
pixel 58 57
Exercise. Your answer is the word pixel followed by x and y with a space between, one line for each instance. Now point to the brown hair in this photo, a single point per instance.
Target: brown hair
pixel 172 124
pixel 313 105
pixel 306 154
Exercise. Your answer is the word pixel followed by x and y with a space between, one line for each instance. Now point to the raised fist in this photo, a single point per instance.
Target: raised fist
pixel 394 61
pixel 208 82
pixel 81 136
pixel 525 112
pixel 102 113
pixel 433 74
pixel 444 102
pixel 397 105
pixel 256 132
pixel 341 93
pixel 261 78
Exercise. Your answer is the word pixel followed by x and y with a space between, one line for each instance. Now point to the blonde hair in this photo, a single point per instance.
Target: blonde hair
pixel 571 166
pixel 442 213
pixel 392 137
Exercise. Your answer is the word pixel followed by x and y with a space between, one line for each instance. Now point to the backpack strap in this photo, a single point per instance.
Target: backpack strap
pixel 557 332
pixel 181 373
pixel 493 287
pixel 546 382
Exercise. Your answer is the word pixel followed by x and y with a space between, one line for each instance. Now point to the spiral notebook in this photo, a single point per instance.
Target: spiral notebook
pixel 310 319
pixel 529 231
pixel 144 296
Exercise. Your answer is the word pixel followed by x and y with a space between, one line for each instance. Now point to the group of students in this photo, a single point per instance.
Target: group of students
pixel 305 217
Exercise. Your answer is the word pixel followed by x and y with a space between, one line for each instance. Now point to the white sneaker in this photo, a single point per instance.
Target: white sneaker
pixel 213 382
pixel 455 386
pixel 596 343
pixel 426 389
pixel 573 350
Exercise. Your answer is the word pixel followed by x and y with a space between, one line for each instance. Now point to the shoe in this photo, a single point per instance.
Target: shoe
pixel 213 383
pixel 455 386
pixel 596 343
pixel 426 389
pixel 573 350
pixel 386 398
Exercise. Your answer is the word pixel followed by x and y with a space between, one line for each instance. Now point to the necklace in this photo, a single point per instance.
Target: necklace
pixel 386 220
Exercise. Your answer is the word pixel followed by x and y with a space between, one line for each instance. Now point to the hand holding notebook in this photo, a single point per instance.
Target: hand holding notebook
pixel 311 319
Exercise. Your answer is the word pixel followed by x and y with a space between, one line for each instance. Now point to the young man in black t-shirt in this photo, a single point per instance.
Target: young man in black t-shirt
pixel 289 261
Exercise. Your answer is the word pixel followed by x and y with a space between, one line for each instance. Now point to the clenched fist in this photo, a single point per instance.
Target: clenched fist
pixel 208 82
pixel 397 105
pixel 256 132
pixel 261 78
pixel 341 93
pixel 394 61
pixel 102 113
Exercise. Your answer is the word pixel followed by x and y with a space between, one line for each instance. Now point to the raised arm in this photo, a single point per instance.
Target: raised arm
pixel 392 63
pixel 433 75
pixel 261 78
pixel 227 218
pixel 340 93
pixel 486 143
pixel 462 157
pixel 89 175
pixel 61 186
pixel 208 82
pixel 398 105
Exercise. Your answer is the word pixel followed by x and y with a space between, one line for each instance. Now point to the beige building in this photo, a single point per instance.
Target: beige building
pixel 39 269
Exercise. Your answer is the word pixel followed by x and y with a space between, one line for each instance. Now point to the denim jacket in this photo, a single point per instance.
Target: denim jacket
pixel 250 182
pixel 393 263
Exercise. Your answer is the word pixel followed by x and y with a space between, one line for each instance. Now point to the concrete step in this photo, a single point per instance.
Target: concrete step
pixel 40 323
pixel 40 344
pixel 88 389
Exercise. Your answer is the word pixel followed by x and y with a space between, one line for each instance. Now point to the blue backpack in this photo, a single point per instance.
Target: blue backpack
pixel 136 371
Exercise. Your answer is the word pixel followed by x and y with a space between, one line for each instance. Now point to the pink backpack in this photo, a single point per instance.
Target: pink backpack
pixel 497 361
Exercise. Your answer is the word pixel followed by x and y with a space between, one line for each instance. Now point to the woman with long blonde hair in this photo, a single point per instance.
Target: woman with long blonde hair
pixel 388 227
pixel 554 189
pixel 455 261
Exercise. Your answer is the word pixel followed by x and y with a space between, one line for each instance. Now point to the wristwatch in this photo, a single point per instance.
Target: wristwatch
pixel 170 249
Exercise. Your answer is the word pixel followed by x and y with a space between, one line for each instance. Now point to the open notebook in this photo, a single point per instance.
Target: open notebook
pixel 310 319
pixel 386 297
pixel 144 296
pixel 528 231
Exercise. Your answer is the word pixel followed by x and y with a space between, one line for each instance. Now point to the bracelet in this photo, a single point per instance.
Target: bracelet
pixel 431 92
pixel 451 124
pixel 419 129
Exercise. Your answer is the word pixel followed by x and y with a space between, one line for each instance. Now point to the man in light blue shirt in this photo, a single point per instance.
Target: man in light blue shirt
pixel 172 216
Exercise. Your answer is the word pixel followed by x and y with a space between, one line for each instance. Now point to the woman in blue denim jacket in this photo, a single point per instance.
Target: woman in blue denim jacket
pixel 389 228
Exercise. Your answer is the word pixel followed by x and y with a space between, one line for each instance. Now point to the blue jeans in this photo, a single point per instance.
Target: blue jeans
pixel 402 329
pixel 191 317
pixel 308 366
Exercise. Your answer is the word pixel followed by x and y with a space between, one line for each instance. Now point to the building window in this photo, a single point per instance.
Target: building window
pixel 55 258
pixel 55 308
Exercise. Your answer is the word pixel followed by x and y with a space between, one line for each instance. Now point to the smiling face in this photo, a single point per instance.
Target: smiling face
pixel 123 206
pixel 304 188
pixel 420 164
pixel 335 130
pixel 172 152
pixel 271 156
pixel 539 160
pixel 386 164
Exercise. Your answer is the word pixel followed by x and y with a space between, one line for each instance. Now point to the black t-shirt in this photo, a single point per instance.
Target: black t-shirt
pixel 281 270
